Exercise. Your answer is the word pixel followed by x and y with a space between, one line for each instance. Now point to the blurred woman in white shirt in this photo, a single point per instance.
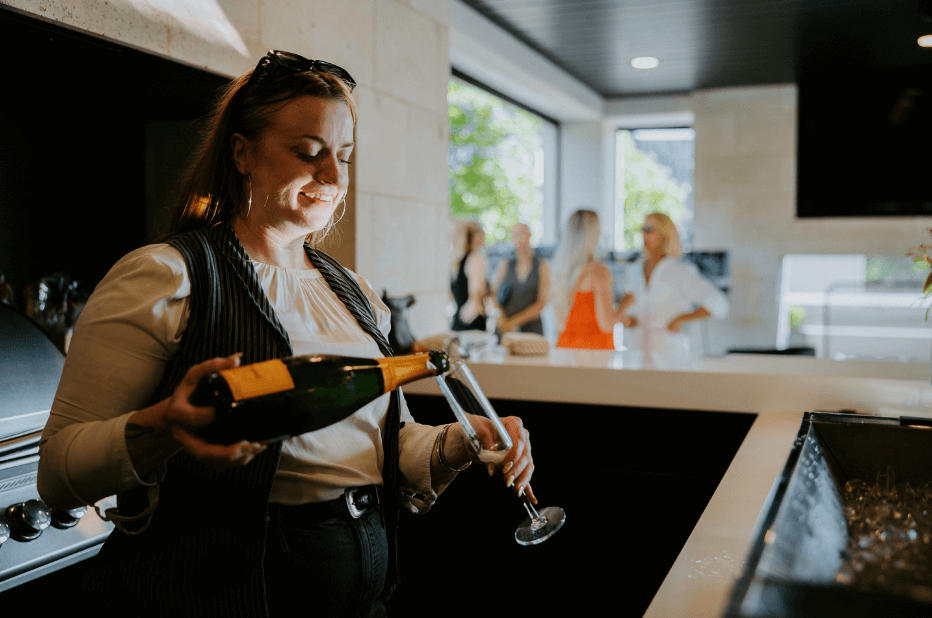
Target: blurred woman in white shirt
pixel 663 294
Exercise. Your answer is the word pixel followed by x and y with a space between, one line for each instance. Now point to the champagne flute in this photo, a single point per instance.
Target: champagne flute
pixel 466 399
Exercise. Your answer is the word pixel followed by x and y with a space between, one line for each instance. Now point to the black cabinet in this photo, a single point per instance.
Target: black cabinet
pixel 633 483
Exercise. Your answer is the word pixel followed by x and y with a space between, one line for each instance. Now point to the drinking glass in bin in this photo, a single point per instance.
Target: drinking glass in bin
pixel 466 399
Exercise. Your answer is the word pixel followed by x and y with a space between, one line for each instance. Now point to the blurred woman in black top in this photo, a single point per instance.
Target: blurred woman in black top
pixel 467 283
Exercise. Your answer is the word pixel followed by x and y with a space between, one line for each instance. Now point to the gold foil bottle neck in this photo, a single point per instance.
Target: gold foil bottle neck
pixel 400 370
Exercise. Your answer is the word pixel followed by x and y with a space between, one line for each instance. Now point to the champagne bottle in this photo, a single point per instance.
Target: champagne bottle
pixel 280 398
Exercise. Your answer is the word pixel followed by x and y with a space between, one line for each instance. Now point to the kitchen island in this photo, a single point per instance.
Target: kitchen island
pixel 776 390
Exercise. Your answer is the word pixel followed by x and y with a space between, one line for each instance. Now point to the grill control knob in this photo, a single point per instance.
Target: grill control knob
pixel 4 530
pixel 67 518
pixel 28 519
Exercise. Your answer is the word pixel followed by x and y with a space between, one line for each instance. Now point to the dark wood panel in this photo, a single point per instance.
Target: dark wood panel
pixel 700 43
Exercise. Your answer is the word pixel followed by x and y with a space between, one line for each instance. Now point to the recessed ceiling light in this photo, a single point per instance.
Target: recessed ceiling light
pixel 925 40
pixel 645 62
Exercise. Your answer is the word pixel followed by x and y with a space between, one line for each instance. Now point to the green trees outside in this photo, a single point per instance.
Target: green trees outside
pixel 648 187
pixel 493 146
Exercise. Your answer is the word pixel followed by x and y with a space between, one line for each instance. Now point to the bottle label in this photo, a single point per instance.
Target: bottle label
pixel 258 379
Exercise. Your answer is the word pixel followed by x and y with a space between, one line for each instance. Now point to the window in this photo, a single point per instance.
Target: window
pixel 502 162
pixel 654 171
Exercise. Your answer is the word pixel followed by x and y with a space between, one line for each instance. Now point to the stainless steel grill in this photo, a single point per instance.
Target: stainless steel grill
pixel 34 539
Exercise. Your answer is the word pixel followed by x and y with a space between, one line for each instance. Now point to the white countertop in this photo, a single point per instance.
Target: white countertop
pixel 778 389
pixel 755 383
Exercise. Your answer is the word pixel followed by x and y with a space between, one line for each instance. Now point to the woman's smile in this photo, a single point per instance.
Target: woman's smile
pixel 325 200
pixel 317 197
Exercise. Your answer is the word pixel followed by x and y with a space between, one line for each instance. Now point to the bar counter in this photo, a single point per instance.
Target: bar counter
pixel 777 389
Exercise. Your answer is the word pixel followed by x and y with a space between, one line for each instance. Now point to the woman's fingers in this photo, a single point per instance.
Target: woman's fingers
pixel 185 413
pixel 187 417
pixel 219 456
pixel 530 493
pixel 486 433
pixel 200 371
pixel 518 465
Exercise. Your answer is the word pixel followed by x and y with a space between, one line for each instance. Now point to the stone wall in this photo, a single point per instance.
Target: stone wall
pixel 396 230
pixel 746 203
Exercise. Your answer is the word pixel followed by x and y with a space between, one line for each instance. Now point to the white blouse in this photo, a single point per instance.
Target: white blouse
pixel 132 326
pixel 676 287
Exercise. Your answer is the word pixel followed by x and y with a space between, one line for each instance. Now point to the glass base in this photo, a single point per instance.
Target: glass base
pixel 532 532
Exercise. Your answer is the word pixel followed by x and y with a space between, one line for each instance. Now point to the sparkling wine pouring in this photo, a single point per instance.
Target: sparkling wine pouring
pixel 491 442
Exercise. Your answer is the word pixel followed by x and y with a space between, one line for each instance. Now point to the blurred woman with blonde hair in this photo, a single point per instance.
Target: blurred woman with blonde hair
pixel 664 293
pixel 582 284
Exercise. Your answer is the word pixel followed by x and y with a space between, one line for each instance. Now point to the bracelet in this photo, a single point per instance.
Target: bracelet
pixel 443 461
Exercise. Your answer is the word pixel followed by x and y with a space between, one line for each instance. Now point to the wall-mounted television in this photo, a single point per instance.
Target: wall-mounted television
pixel 864 134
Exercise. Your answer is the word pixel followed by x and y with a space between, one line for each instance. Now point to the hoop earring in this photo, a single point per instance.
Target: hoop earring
pixel 343 212
pixel 249 201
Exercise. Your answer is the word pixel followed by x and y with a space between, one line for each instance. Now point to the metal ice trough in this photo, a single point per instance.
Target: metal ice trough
pixel 801 537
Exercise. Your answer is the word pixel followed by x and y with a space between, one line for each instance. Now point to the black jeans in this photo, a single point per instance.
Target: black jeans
pixel 333 568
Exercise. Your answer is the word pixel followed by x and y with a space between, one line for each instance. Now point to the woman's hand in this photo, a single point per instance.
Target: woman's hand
pixel 505 325
pixel 626 320
pixel 185 418
pixel 470 311
pixel 517 465
pixel 155 433
pixel 676 324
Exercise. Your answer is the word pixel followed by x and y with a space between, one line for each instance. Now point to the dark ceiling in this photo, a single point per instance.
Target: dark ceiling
pixel 709 43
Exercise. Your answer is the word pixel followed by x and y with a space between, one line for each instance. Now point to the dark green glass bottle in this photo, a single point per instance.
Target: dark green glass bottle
pixel 280 398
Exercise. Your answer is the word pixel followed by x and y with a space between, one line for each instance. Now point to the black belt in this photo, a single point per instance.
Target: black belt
pixel 354 501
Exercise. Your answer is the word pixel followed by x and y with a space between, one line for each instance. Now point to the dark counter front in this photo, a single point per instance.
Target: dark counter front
pixel 633 483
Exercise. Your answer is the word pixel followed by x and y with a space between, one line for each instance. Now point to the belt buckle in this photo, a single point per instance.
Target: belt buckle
pixel 350 504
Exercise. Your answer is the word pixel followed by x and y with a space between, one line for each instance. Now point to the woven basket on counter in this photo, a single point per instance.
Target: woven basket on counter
pixel 526 344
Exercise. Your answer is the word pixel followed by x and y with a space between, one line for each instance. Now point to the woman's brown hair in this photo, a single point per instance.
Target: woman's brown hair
pixel 211 190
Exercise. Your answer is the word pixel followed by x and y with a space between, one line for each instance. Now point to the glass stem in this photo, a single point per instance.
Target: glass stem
pixel 531 511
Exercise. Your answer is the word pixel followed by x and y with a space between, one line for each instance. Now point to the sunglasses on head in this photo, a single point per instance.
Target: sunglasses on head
pixel 275 62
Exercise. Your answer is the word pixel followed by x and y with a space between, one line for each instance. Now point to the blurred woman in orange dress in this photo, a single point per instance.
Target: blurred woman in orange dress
pixel 582 298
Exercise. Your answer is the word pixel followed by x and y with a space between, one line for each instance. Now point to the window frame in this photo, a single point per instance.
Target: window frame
pixel 550 213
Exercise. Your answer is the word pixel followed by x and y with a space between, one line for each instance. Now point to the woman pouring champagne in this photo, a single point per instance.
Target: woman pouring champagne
pixel 250 528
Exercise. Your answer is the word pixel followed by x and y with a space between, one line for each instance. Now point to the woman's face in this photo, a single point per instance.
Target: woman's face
pixel 298 167
pixel 653 238
pixel 520 236
pixel 478 240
